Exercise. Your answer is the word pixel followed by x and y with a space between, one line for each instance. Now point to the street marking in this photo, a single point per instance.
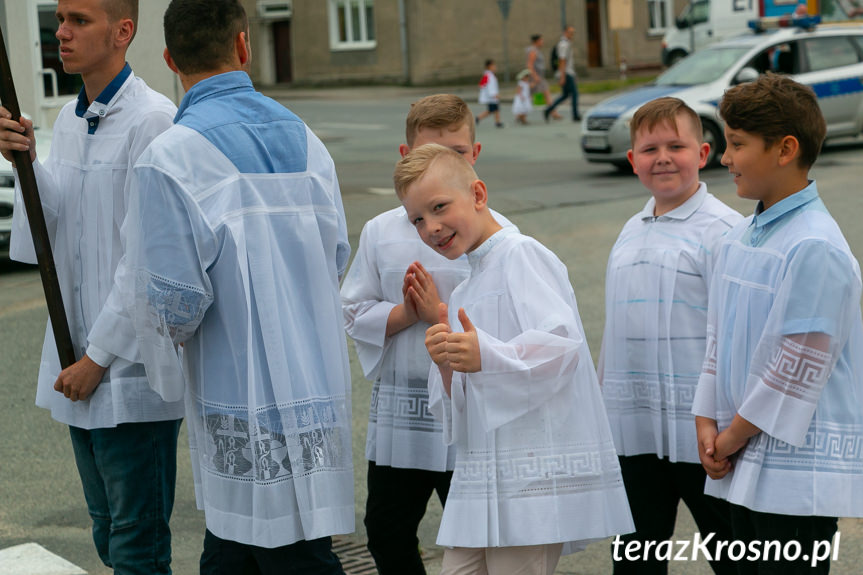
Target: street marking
pixel 382 191
pixel 33 559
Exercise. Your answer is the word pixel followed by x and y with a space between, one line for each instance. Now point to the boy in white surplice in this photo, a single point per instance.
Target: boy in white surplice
pixel 656 330
pixel 782 381
pixel 536 471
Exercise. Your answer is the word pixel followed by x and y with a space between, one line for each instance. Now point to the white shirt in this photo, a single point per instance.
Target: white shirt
pixel 656 324
pixel 535 462
pixel 83 186
pixel 240 258
pixel 401 432
pixel 489 92
pixel 785 351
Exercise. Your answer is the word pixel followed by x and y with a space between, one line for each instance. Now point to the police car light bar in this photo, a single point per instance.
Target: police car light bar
pixel 787 21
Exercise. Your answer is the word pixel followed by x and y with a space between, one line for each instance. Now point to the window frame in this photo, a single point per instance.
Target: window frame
pixel 336 43
pixel 654 8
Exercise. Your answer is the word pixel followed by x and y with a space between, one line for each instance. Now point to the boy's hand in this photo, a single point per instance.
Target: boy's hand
pixel 462 349
pixel 706 431
pixel 80 379
pixel 422 292
pixel 411 315
pixel 16 136
pixel 727 444
pixel 436 338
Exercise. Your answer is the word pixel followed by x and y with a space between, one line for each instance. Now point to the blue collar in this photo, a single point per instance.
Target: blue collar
pixel 764 217
pixel 214 85
pixel 107 93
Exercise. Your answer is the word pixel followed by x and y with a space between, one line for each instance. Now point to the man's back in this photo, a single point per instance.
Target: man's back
pixel 260 243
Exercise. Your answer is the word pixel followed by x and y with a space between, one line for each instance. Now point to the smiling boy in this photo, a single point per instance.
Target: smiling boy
pixel 535 469
pixel 655 330
pixel 782 381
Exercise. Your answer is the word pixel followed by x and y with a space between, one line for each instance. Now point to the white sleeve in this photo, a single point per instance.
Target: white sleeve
pixel 363 305
pixel 806 330
pixel 169 247
pixel 21 244
pixel 529 369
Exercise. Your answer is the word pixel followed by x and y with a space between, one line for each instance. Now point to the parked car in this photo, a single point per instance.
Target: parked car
pixel 7 190
pixel 829 58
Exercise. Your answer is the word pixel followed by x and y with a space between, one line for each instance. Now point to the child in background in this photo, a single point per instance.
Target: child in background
pixel 389 298
pixel 655 335
pixel 779 403
pixel 489 93
pixel 536 471
pixel 521 102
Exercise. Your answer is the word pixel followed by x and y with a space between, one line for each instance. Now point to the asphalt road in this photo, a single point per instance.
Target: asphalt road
pixel 536 177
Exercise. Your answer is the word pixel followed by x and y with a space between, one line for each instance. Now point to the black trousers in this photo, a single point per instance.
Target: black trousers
pixel 748 525
pixel 223 557
pixel 654 488
pixel 396 504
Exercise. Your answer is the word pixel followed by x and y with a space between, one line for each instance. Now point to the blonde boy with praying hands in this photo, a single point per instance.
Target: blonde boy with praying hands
pixel 655 335
pixel 535 472
pixel 389 297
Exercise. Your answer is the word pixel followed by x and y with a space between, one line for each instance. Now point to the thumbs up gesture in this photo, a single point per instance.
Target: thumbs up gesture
pixel 462 349
pixel 436 337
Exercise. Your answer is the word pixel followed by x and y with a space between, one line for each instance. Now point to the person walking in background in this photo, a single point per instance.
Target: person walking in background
pixel 537 66
pixel 521 104
pixel 565 74
pixel 489 94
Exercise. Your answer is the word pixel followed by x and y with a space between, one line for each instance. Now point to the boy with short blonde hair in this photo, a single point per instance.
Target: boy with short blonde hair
pixel 536 472
pixel 389 298
pixel 778 405
pixel 656 287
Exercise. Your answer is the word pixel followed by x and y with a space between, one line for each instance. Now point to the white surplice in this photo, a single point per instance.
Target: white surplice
pixel 535 462
pixel 84 187
pixel 656 324
pixel 401 431
pixel 785 351
pixel 236 238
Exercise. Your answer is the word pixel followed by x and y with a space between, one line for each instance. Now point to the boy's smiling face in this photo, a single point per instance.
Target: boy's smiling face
pixel 446 212
pixel 667 162
pixel 753 165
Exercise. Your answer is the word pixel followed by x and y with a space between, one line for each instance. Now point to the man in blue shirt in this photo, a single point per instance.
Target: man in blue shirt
pixel 236 241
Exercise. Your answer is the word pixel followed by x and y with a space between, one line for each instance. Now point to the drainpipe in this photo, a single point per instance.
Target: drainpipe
pixel 403 36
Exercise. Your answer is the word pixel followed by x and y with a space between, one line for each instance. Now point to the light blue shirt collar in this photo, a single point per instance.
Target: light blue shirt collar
pixel 475 257
pixel 764 217
pixel 213 86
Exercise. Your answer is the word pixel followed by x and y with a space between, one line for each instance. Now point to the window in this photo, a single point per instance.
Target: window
pixel 56 82
pixel 659 14
pixel 826 53
pixel 352 24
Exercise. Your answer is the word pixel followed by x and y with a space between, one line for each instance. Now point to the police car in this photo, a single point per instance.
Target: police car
pixel 829 58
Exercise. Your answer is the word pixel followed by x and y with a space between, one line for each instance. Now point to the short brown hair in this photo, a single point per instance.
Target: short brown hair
pixel 440 111
pixel 664 111
pixel 200 34
pixel 120 9
pixel 775 106
pixel 418 162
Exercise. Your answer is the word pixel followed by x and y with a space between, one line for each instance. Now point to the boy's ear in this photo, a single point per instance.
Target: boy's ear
pixel 703 152
pixel 403 150
pixel 477 147
pixel 631 159
pixel 789 149
pixel 480 194
pixel 170 61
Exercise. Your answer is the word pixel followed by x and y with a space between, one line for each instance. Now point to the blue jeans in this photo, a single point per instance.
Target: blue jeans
pixel 128 473
pixel 569 89
pixel 224 557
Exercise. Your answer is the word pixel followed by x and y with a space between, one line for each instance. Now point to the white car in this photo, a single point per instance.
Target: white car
pixel 829 58
pixel 7 190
